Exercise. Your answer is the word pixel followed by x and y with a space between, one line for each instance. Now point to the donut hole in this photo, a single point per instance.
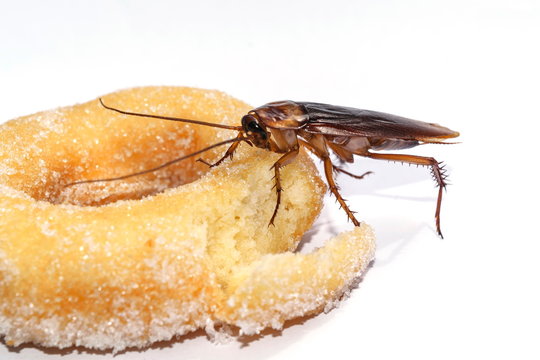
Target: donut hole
pixel 133 188
pixel 105 148
pixel 125 161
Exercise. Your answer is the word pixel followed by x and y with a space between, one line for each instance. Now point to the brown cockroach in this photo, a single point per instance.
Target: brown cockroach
pixel 286 126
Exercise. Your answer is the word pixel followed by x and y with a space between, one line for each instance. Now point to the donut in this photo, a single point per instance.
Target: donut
pixel 118 264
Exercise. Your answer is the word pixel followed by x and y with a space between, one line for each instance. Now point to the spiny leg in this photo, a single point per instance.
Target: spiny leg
pixel 359 177
pixel 281 162
pixel 437 170
pixel 322 153
pixel 328 167
pixel 229 153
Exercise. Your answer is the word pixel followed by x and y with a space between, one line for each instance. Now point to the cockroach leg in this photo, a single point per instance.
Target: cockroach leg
pixel 310 147
pixel 281 162
pixel 228 154
pixel 438 171
pixel 359 177
pixel 328 167
pixel 205 162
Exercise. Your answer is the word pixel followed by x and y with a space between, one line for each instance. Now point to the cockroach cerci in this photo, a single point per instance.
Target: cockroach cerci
pixel 286 126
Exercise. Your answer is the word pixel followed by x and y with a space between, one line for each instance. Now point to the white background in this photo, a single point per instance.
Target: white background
pixel 470 65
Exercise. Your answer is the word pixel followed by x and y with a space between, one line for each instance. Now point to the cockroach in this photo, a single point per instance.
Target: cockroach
pixel 284 127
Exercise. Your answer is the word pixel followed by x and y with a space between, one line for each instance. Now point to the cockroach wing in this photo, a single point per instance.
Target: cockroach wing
pixel 346 121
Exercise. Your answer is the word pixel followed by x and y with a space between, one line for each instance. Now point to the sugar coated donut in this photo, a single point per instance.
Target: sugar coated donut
pixel 118 264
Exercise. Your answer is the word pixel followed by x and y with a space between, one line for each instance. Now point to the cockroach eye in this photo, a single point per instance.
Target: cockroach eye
pixel 250 125
pixel 253 127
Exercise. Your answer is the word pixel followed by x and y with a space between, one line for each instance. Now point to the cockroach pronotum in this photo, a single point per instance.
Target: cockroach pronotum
pixel 286 126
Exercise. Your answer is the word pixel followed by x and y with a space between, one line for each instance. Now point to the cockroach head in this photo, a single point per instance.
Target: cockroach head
pixel 254 130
